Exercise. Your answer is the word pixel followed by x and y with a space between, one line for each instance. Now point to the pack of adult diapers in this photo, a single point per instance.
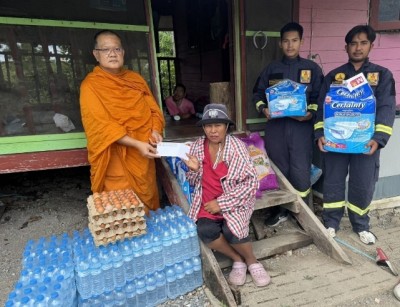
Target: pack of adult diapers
pixel 349 116
pixel 287 98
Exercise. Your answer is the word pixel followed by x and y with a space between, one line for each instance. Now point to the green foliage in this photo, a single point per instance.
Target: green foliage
pixel 166 60
pixel 167 44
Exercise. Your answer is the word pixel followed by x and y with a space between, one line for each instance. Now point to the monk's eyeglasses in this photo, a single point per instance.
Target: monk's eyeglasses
pixel 107 51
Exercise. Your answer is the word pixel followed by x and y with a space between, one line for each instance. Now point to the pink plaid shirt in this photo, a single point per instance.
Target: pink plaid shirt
pixel 239 185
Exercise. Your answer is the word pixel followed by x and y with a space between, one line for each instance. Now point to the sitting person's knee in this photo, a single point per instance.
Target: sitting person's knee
pixel 231 238
pixel 207 230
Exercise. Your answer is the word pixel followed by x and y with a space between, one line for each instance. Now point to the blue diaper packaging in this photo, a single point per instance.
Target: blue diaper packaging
pixel 349 116
pixel 287 98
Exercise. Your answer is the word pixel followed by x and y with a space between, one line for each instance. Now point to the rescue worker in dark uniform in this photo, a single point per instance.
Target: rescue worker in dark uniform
pixel 363 169
pixel 289 140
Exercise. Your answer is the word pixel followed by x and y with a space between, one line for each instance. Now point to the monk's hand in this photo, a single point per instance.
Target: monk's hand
pixel 192 163
pixel 147 150
pixel 321 143
pixel 373 146
pixel 155 138
pixel 212 207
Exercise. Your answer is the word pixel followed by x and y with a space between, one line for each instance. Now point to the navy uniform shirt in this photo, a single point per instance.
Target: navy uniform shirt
pixel 382 83
pixel 299 70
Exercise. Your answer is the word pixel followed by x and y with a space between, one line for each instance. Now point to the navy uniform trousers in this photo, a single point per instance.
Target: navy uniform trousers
pixel 289 145
pixel 363 171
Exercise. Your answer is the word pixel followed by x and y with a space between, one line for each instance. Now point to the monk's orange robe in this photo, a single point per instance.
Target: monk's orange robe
pixel 112 106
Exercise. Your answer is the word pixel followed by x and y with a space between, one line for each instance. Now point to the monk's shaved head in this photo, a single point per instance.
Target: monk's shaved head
pixel 104 32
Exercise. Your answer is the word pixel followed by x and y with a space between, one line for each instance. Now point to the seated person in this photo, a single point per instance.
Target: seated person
pixel 225 183
pixel 178 106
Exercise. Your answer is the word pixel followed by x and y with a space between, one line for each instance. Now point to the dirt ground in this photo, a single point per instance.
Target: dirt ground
pixel 43 203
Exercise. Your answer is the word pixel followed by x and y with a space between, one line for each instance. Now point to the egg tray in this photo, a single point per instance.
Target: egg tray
pixel 114 214
pixel 114 205
pixel 118 227
pixel 118 237
pixel 107 235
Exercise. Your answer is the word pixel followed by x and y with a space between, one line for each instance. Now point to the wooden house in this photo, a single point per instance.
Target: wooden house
pixel 46 51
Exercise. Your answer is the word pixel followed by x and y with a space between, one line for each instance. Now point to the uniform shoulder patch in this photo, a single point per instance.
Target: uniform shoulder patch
pixel 305 76
pixel 339 78
pixel 373 78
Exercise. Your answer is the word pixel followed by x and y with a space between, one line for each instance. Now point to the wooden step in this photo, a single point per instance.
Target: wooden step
pixel 275 198
pixel 272 246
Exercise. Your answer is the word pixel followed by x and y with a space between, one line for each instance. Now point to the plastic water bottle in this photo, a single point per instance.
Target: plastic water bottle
pixel 138 260
pixel 10 303
pixel 118 264
pixel 185 239
pixel 141 292
pixel 180 278
pixel 24 278
pixel 33 284
pixel 108 299
pixel 84 302
pixel 167 245
pixel 177 251
pixel 107 268
pixel 83 279
pixel 172 286
pixel 128 260
pixel 28 292
pixel 18 288
pixel 161 287
pixel 96 275
pixel 25 301
pixel 130 291
pixel 178 210
pixel 148 253
pixel 12 296
pixel 47 282
pixel 198 274
pixel 119 297
pixel 37 273
pixel 158 251
pixel 40 301
pixel 95 301
pixel 151 290
pixel 194 240
pixel 170 212
pixel 189 275
pixel 65 267
pixel 55 300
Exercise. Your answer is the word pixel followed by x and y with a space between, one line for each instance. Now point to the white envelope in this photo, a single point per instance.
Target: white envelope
pixel 171 149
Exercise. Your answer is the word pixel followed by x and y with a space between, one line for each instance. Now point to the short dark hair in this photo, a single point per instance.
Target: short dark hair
pixel 292 26
pixel 107 32
pixel 368 30
pixel 180 85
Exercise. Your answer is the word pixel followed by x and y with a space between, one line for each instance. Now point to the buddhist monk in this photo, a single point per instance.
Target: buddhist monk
pixel 122 122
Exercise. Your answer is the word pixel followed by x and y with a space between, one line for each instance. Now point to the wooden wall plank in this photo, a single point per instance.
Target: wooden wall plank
pixel 334 15
pixel 35 143
pixel 42 160
pixel 351 5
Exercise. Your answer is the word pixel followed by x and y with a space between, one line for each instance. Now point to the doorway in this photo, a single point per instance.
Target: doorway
pixel 194 48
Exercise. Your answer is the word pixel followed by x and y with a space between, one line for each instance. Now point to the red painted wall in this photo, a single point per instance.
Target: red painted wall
pixel 325 26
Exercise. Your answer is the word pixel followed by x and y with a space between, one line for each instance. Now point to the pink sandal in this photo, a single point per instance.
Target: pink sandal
pixel 259 274
pixel 237 276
